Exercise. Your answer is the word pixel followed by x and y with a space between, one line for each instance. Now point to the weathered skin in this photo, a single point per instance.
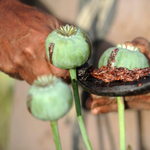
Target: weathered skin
pixel 23 30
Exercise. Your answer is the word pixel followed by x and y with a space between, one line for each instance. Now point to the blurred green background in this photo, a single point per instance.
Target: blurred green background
pixel 6 101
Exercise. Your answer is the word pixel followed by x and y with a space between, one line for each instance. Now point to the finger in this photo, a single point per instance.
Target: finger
pixel 98 97
pixel 89 103
pixel 54 22
pixel 95 101
pixel 142 44
pixel 128 44
pixel 138 106
pixel 61 73
pixel 102 97
pixel 139 98
pixel 99 102
pixel 31 61
pixel 105 109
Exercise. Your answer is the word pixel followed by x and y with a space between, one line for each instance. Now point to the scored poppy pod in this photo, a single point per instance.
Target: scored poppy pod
pixel 123 56
pixel 68 47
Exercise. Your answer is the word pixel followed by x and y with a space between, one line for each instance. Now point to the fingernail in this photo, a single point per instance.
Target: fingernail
pixel 95 111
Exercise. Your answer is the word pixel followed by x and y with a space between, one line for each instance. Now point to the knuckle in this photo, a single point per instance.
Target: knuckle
pixel 28 53
pixel 17 61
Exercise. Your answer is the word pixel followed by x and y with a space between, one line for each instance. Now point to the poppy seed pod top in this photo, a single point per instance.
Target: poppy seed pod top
pixel 49 98
pixel 123 56
pixel 68 47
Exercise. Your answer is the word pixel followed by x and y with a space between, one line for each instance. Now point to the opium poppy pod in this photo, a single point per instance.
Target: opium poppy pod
pixel 68 47
pixel 49 98
pixel 123 56
pixel 129 58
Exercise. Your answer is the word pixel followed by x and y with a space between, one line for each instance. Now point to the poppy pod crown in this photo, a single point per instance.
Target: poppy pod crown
pixel 123 56
pixel 68 47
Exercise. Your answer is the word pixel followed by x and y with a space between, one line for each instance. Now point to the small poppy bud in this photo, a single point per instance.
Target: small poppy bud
pixel 49 98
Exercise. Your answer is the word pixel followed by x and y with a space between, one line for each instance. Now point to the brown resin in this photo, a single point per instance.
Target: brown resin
pixel 109 74
pixel 51 48
pixel 112 57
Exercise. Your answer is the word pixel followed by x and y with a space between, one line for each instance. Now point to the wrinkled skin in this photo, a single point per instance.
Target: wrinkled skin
pixel 101 104
pixel 23 30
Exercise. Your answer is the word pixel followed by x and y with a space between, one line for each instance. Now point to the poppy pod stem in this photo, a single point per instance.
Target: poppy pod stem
pixel 120 102
pixel 78 108
pixel 56 137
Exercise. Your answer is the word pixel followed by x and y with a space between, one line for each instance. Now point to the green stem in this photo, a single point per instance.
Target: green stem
pixel 56 135
pixel 120 102
pixel 78 108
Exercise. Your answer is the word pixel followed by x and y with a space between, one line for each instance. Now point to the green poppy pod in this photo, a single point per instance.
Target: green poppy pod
pixel 49 98
pixel 123 56
pixel 68 47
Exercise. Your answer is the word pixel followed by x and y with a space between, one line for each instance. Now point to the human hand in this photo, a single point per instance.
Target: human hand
pixel 23 31
pixel 101 104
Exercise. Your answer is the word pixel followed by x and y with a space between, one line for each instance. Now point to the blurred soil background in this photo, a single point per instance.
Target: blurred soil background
pixel 123 21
